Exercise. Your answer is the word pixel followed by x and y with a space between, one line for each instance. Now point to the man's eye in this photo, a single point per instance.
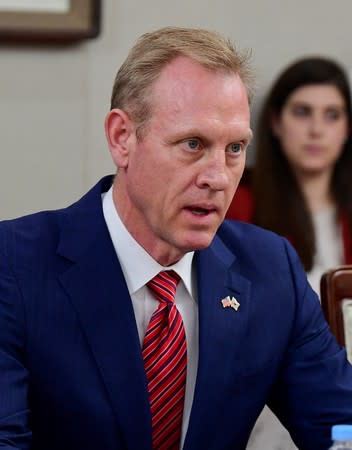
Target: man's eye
pixel 235 148
pixel 193 144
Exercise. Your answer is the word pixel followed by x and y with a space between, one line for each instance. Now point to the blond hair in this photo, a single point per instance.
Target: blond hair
pixel 145 61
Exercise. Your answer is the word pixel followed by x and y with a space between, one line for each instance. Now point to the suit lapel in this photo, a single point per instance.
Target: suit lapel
pixel 221 336
pixel 98 292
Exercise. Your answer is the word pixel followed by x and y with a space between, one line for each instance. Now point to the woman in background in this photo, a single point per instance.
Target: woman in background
pixel 301 182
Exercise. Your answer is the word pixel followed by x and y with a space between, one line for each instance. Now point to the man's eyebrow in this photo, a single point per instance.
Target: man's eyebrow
pixel 198 133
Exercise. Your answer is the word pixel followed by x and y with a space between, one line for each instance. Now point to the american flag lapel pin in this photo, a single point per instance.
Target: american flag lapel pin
pixel 230 302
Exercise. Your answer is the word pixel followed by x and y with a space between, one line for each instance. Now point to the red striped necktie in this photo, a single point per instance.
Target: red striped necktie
pixel 165 362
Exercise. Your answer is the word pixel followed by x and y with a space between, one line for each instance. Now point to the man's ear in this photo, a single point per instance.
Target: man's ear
pixel 118 130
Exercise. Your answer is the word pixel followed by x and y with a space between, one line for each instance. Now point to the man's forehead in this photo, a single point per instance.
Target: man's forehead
pixel 185 78
pixel 182 67
pixel 189 97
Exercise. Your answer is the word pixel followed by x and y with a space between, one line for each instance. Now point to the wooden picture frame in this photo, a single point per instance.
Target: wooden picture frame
pixel 49 20
pixel 336 300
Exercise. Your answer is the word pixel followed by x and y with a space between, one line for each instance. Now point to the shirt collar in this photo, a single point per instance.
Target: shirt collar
pixel 137 265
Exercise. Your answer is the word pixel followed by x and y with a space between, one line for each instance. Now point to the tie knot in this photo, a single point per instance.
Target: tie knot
pixel 164 285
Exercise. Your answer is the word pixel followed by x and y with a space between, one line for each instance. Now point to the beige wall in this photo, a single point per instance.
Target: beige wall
pixel 53 100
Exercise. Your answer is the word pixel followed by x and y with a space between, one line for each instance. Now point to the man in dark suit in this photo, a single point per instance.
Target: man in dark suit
pixel 84 330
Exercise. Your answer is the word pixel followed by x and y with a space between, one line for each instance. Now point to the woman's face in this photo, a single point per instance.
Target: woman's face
pixel 312 128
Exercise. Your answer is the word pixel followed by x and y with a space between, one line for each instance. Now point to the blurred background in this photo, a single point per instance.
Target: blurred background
pixel 53 99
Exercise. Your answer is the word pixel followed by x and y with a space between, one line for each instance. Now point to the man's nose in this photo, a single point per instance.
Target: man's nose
pixel 214 174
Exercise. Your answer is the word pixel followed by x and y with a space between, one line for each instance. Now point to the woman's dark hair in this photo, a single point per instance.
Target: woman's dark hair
pixel 279 202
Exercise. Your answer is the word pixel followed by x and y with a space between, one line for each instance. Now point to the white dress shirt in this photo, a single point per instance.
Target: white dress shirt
pixel 138 268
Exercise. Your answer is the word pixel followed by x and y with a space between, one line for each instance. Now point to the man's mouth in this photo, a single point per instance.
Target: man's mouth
pixel 198 211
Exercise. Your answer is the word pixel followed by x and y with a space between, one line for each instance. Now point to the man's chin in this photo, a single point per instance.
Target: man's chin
pixel 198 242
